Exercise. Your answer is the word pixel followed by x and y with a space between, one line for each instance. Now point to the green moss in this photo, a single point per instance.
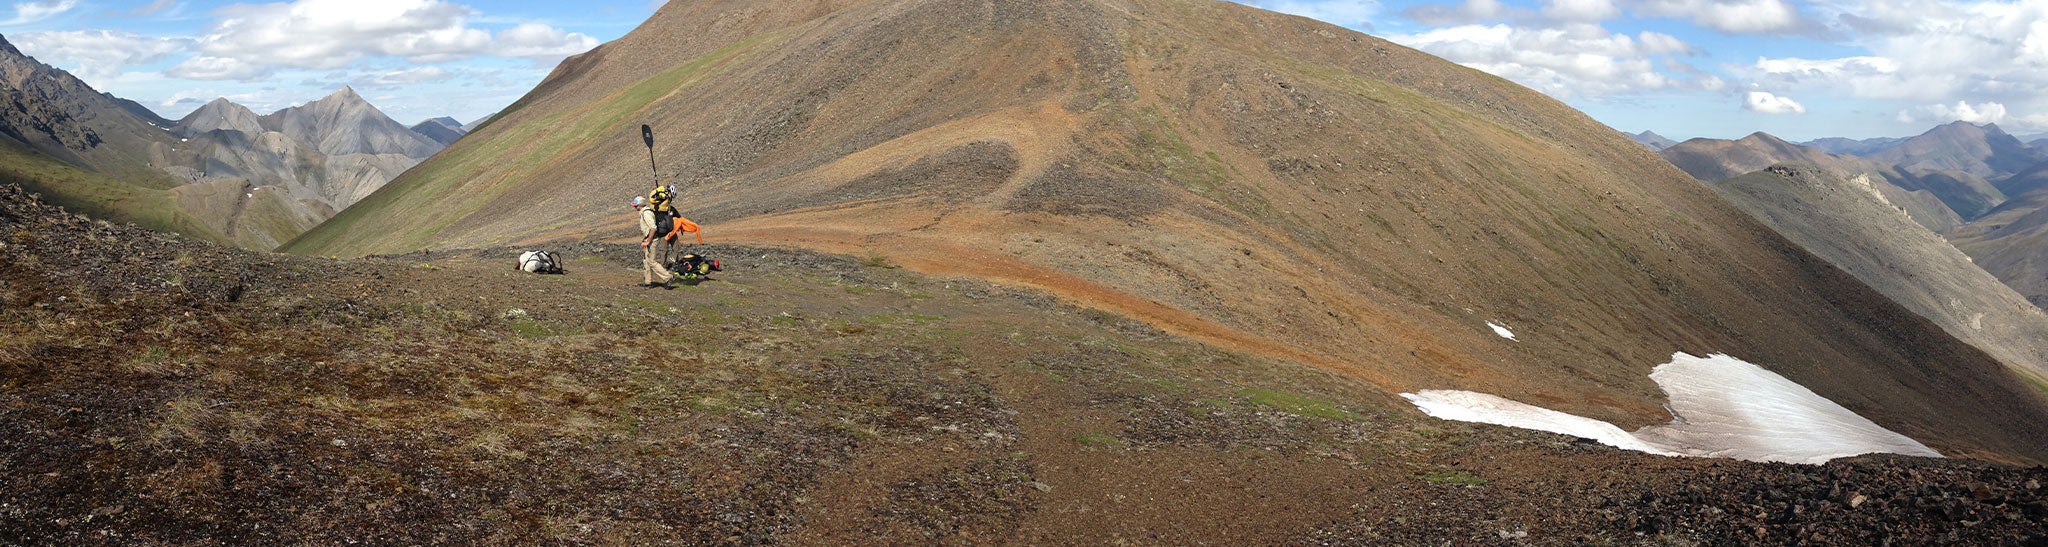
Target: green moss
pixel 1388 227
pixel 1098 439
pixel 1297 404
pixel 2037 382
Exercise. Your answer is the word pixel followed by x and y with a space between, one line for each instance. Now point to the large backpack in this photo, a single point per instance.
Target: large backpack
pixel 662 200
pixel 693 267
pixel 540 262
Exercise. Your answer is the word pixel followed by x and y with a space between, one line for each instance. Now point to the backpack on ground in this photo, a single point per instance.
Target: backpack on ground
pixel 694 267
pixel 540 262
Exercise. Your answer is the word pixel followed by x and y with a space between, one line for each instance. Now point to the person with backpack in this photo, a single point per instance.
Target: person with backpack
pixel 669 221
pixel 649 229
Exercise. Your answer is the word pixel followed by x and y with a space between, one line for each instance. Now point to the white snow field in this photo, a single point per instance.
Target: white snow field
pixel 1722 407
pixel 1502 331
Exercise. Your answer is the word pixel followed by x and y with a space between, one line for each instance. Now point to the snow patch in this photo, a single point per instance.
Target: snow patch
pixel 1721 407
pixel 1502 331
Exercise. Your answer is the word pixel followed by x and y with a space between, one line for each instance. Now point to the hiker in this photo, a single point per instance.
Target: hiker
pixel 669 221
pixel 651 267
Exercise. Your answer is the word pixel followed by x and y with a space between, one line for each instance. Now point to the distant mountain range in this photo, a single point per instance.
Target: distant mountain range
pixel 314 159
pixel 221 173
pixel 1652 140
pixel 1851 224
pixel 1989 190
pixel 1930 199
pixel 443 130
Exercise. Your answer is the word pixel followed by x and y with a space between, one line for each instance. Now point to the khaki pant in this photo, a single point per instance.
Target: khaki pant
pixel 652 267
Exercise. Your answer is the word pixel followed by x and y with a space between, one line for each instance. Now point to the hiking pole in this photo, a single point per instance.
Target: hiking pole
pixel 647 134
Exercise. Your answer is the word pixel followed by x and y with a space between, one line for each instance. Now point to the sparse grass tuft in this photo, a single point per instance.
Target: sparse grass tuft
pixel 1298 404
pixel 1098 439
pixel 877 260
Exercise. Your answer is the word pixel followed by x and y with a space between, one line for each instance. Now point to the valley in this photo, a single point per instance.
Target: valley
pixel 1052 272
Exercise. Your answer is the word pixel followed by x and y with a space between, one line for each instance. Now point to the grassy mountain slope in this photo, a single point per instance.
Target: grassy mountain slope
pixel 99 195
pixel 1258 181
pixel 1845 221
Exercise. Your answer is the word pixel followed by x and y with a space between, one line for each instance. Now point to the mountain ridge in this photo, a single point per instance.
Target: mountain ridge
pixel 218 174
pixel 1927 199
pixel 1652 140
pixel 1264 182
pixel 1985 151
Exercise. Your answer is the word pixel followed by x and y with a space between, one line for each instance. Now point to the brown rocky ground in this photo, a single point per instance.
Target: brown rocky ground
pixel 160 391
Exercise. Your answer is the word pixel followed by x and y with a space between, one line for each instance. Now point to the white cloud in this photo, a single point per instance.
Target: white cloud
pixel 30 12
pixel 1581 60
pixel 1349 13
pixel 544 44
pixel 1766 103
pixel 97 54
pixel 1729 16
pixel 329 34
pixel 1580 11
pixel 2031 123
pixel 218 68
pixel 1963 111
pixel 409 76
pixel 1926 51
pixel 1471 11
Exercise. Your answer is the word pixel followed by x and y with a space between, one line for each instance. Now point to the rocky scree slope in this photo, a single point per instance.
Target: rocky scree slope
pixel 296 167
pixel 2012 243
pixel 159 390
pixel 1262 182
pixel 1844 220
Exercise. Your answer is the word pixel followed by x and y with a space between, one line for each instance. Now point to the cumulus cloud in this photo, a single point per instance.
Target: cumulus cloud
pixel 1766 103
pixel 1963 111
pixel 1349 13
pixel 544 44
pixel 329 34
pixel 1567 62
pixel 30 12
pixel 1730 16
pixel 1926 51
pixel 97 54
pixel 1471 11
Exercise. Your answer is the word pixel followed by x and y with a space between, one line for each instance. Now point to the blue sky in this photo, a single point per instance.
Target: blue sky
pixel 1684 68
pixel 414 59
